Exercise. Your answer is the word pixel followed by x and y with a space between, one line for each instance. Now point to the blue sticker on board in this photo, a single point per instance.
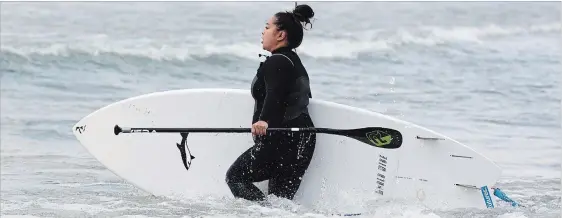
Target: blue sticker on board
pixel 487 197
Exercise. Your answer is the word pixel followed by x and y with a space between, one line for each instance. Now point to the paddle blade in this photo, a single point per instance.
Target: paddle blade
pixel 376 136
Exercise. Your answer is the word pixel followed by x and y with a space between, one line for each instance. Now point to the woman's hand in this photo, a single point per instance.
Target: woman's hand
pixel 259 128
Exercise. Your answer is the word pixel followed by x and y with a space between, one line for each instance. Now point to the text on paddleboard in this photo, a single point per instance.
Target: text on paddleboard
pixel 143 130
pixel 380 176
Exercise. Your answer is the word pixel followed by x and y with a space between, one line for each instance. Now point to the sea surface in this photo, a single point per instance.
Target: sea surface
pixel 484 73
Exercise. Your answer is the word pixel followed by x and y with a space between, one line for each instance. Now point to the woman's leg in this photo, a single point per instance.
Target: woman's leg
pixel 254 165
pixel 295 153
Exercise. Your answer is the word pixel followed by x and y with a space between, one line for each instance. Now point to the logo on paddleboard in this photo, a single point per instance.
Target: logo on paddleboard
pixel 487 198
pixel 183 147
pixel 379 138
pixel 80 129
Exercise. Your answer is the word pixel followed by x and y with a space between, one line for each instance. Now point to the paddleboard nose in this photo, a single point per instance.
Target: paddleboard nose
pixel 79 129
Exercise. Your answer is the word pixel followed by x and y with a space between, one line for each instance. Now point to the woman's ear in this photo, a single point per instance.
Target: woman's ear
pixel 281 36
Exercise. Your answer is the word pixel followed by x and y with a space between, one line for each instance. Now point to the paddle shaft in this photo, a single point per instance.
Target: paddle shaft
pixel 218 130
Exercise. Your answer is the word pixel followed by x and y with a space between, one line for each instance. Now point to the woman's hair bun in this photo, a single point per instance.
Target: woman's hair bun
pixel 303 13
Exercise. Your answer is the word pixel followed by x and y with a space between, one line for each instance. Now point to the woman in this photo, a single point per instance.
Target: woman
pixel 281 92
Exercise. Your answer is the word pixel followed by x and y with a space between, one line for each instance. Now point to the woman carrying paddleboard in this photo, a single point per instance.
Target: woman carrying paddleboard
pixel 281 91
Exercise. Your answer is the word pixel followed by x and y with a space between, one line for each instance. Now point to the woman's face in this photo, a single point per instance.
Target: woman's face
pixel 271 37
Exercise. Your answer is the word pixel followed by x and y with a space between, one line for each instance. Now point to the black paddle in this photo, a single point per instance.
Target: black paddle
pixel 375 136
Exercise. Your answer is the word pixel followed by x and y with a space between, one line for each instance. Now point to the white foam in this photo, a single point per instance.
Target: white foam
pixel 20 216
pixel 14 206
pixel 137 216
pixel 512 215
pixel 90 209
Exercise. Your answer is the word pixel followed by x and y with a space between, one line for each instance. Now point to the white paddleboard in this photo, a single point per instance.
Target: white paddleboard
pixel 429 168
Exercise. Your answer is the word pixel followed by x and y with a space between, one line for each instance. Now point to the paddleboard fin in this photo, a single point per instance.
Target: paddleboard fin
pixel 183 147
pixel 501 195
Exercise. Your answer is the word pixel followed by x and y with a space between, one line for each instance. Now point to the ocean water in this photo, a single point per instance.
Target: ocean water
pixel 484 73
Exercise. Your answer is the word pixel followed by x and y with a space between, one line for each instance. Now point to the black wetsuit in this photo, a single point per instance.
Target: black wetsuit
pixel 281 91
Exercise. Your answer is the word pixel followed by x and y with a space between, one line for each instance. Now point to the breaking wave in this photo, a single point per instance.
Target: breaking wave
pixel 325 46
